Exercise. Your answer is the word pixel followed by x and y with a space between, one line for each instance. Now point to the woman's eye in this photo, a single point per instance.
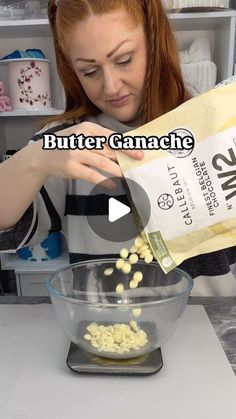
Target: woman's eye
pixel 90 73
pixel 127 61
pixel 94 72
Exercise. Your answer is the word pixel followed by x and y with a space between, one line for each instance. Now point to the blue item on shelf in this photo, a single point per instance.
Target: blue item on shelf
pixel 48 249
pixel 15 54
pixel 35 53
pixel 29 53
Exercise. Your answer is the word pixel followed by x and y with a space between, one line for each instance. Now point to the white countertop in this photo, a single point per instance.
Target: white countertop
pixel 196 381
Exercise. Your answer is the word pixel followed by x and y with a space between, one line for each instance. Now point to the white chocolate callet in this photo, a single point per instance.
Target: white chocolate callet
pixel 120 263
pixel 126 268
pixel 95 344
pixel 137 312
pixel 88 337
pixel 120 288
pixel 117 338
pixel 144 247
pixel 142 334
pixel 133 284
pixel 133 258
pixel 139 242
pixel 145 253
pixel 133 249
pixel 110 329
pixel 92 326
pixel 108 271
pixel 138 276
pixel 124 253
pixel 148 259
pixel 134 325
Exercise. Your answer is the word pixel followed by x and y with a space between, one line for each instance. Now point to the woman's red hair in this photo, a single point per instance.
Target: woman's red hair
pixel 164 86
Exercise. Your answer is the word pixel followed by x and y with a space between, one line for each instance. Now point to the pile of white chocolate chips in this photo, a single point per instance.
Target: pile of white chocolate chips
pixel 120 338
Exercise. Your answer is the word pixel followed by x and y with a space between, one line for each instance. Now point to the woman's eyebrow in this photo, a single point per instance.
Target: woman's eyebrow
pixel 90 60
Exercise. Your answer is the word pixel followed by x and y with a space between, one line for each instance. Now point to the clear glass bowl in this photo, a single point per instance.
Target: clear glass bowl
pixel 82 294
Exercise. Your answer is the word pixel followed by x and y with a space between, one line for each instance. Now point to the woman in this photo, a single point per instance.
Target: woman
pixel 119 66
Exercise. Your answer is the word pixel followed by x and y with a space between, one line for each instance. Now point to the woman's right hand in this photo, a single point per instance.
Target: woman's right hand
pixel 82 164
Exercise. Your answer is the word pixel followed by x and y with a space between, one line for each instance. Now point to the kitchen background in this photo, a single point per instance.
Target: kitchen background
pixel 30 91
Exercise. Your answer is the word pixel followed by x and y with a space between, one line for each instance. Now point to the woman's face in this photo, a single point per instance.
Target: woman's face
pixel 109 55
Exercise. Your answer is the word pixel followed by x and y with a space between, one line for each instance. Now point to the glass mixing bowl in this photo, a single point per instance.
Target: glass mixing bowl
pixel 82 294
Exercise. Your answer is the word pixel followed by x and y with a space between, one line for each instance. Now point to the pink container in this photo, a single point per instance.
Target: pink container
pixel 29 83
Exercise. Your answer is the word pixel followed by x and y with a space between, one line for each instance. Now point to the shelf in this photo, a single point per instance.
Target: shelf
pixel 11 261
pixel 24 28
pixel 203 15
pixel 40 27
pixel 201 21
pixel 24 113
pixel 24 22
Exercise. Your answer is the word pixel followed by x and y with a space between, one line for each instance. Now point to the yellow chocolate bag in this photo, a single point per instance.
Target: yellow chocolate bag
pixel 192 193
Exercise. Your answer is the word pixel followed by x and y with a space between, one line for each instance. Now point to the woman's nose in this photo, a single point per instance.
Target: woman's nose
pixel 111 83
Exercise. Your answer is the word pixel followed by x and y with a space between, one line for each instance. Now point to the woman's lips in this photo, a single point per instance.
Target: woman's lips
pixel 123 100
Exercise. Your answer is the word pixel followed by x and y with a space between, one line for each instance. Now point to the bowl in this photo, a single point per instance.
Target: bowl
pixel 82 294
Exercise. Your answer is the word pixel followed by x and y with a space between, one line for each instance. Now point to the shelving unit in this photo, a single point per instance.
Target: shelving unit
pixel 17 127
pixel 24 112
pixel 219 27
pixel 24 28
pixel 31 276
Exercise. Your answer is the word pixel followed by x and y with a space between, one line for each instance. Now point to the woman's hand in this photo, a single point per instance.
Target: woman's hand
pixel 82 164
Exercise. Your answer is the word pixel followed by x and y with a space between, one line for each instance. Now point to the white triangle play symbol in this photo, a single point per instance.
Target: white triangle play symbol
pixel 117 210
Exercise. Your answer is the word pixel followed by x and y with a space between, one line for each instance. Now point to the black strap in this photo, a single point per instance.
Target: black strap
pixel 52 212
pixel 90 204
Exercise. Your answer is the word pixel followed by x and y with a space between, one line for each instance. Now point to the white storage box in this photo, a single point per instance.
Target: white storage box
pixel 29 83
pixel 182 4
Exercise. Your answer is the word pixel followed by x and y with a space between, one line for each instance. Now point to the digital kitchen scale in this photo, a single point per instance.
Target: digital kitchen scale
pixel 85 362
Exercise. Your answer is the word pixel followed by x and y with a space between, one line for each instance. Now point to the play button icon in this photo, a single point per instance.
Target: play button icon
pixel 117 210
pixel 111 213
